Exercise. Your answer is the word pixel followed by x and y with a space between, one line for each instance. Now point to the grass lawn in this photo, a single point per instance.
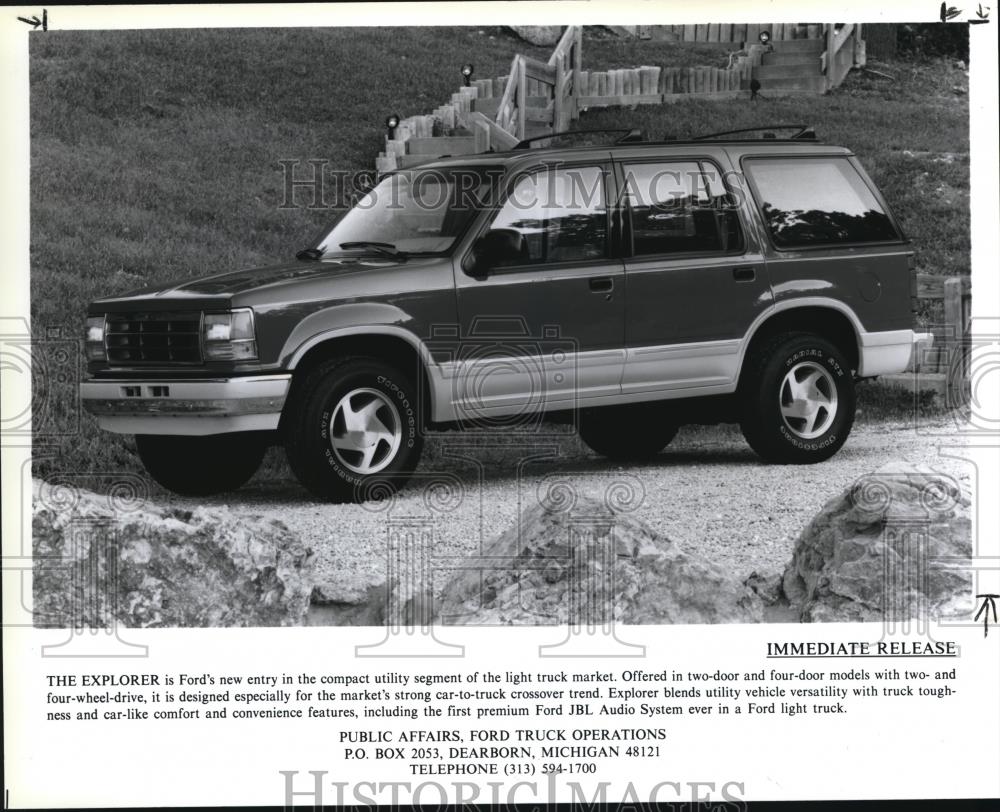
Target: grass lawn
pixel 155 154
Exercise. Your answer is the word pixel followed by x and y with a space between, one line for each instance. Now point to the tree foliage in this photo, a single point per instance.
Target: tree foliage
pixel 934 39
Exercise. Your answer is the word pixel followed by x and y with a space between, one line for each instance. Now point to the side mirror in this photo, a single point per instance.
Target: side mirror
pixel 501 246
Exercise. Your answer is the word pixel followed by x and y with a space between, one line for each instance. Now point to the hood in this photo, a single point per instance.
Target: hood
pixel 219 289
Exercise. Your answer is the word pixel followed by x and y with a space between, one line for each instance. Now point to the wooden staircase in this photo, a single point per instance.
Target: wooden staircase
pixel 538 98
pixel 794 66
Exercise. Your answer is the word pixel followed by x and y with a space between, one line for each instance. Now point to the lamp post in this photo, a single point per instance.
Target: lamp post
pixel 391 123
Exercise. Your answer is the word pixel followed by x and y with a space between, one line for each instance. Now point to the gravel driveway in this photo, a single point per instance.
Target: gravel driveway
pixel 707 491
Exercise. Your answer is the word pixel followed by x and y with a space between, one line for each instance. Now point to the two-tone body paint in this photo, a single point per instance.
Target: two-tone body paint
pixel 667 327
pixel 295 301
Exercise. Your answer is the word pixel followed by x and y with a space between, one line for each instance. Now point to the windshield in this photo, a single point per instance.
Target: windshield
pixel 416 212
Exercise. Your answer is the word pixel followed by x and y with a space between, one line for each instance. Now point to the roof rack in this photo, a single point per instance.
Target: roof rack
pixel 629 136
pixel 803 132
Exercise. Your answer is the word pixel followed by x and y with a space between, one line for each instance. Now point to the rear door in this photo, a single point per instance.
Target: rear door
pixel 694 275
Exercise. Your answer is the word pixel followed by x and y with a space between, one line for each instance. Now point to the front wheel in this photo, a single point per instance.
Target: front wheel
pixel 353 430
pixel 201 466
pixel 797 395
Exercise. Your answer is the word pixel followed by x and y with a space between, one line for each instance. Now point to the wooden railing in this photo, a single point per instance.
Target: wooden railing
pixel 844 50
pixel 514 111
pixel 507 110
pixel 567 59
pixel 556 82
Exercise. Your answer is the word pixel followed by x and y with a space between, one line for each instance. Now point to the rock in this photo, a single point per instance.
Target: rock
pixel 99 561
pixel 767 586
pixel 346 587
pixel 538 34
pixel 352 608
pixel 376 608
pixel 591 562
pixel 891 547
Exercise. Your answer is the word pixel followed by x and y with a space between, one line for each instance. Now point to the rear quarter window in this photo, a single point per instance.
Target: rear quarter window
pixel 816 201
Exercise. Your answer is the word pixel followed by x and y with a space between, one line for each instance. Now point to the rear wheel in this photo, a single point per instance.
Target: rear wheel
pixel 200 466
pixel 627 433
pixel 797 396
pixel 352 430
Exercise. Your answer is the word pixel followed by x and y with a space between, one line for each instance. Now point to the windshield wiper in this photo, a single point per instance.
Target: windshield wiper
pixel 384 248
pixel 309 253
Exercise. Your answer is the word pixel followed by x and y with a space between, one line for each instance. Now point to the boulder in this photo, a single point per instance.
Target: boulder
pixel 395 603
pixel 538 34
pixel 98 562
pixel 366 607
pixel 894 546
pixel 592 563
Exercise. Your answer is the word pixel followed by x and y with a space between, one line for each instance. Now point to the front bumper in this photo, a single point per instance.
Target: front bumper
pixel 886 353
pixel 185 406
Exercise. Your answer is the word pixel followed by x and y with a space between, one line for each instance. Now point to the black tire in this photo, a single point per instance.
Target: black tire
pixel 630 433
pixel 315 418
pixel 201 466
pixel 767 400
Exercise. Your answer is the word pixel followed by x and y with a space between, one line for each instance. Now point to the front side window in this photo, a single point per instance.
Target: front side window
pixel 415 212
pixel 817 201
pixel 680 207
pixel 561 214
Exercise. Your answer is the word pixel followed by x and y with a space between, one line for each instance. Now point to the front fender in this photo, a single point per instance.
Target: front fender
pixel 347 319
pixel 369 320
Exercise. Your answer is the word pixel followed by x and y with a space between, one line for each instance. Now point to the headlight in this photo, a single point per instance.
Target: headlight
pixel 94 339
pixel 229 336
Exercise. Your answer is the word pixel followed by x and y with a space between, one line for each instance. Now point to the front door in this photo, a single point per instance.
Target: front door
pixel 695 278
pixel 545 327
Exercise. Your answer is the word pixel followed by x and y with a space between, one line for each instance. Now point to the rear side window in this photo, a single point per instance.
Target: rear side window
pixel 816 201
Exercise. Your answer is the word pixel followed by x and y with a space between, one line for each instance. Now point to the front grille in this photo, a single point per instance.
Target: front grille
pixel 154 338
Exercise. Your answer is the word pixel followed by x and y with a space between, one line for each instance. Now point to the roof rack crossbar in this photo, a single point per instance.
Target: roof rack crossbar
pixel 802 130
pixel 628 136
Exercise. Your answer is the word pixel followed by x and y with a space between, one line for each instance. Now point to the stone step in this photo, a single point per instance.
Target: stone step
pixel 799 46
pixel 809 84
pixel 764 72
pixel 806 60
pixel 788 92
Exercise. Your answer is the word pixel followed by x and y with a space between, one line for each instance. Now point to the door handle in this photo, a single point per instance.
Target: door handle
pixel 745 273
pixel 602 284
